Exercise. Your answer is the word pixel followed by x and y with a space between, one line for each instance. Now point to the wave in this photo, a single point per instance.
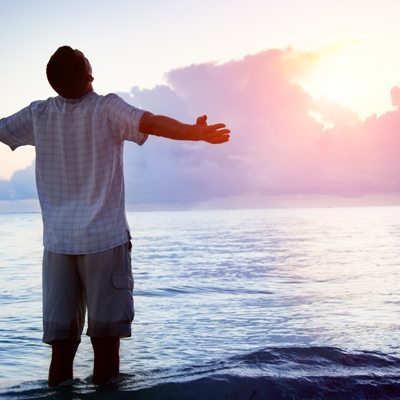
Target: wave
pixel 271 373
pixel 186 289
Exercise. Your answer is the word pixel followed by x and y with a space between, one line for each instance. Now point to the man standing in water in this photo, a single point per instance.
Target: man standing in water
pixel 78 137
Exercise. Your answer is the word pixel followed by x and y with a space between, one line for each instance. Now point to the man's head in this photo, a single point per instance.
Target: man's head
pixel 69 73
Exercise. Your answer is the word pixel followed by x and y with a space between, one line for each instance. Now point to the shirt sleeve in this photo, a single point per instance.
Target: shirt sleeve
pixel 17 129
pixel 123 120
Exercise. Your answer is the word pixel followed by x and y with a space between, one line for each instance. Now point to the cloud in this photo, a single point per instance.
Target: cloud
pixel 395 93
pixel 21 186
pixel 283 142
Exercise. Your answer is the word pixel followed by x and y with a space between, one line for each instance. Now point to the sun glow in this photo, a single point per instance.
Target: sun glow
pixel 337 73
pixel 343 73
pixel 336 88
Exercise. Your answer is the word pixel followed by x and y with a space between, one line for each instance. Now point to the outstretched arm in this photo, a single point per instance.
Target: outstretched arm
pixel 170 128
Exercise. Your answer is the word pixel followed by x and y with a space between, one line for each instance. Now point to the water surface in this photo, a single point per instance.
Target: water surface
pixel 262 303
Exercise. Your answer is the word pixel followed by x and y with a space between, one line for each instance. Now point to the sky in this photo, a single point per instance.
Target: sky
pixel 310 90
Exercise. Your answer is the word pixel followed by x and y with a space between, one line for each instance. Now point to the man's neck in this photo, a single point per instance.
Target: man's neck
pixel 88 90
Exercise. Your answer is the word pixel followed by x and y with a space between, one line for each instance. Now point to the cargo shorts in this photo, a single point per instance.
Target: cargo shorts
pixel 100 282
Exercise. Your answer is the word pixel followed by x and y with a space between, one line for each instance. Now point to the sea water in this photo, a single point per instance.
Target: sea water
pixel 229 304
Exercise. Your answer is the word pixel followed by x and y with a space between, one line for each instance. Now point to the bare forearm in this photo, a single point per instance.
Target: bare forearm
pixel 160 125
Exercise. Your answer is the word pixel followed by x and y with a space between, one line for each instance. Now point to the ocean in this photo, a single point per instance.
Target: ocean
pixel 229 304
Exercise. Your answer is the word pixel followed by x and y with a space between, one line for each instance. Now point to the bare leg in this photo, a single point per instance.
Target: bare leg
pixel 62 359
pixel 106 358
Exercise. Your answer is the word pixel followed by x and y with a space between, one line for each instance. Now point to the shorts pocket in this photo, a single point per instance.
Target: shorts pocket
pixel 122 281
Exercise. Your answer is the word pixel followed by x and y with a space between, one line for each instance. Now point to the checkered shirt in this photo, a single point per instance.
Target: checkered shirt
pixel 79 171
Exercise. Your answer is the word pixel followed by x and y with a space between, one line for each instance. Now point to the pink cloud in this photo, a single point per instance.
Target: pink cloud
pixel 395 93
pixel 286 150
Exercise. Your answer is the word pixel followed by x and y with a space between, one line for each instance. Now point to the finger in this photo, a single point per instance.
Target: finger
pixel 223 131
pixel 220 140
pixel 217 136
pixel 218 131
pixel 215 127
pixel 202 119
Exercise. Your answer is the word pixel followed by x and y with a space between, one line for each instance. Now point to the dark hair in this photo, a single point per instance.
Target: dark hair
pixel 67 73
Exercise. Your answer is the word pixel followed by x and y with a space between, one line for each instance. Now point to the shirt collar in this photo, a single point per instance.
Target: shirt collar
pixel 77 100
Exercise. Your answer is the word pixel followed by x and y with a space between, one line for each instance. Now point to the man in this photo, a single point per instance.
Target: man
pixel 78 138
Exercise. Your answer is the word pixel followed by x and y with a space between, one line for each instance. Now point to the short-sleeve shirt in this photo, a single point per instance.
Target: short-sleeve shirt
pixel 79 167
